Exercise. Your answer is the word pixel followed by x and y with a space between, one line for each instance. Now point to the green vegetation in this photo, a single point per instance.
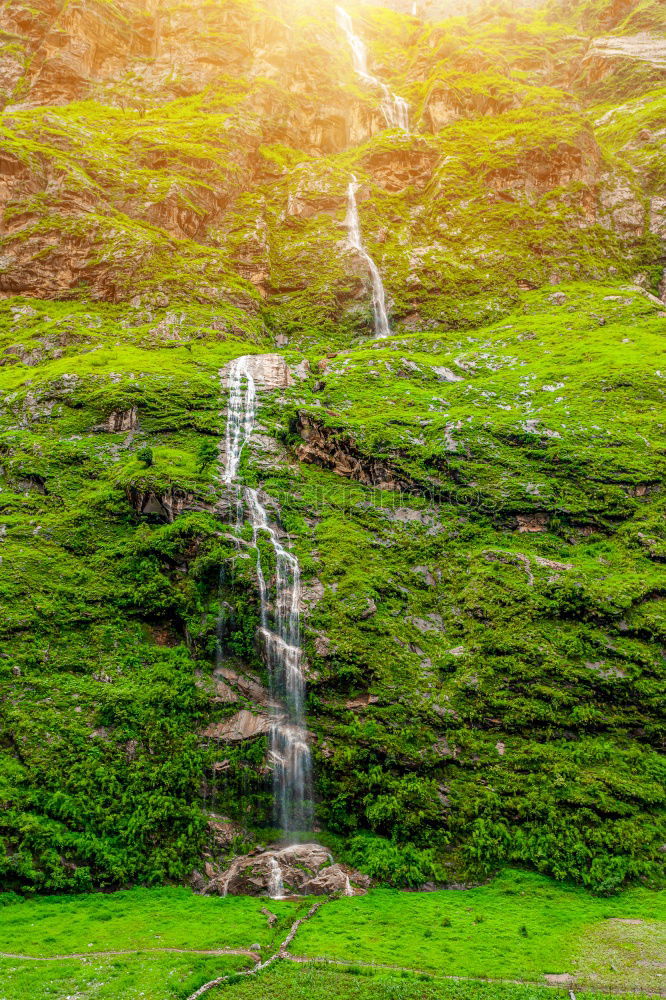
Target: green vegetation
pixel 138 920
pixel 318 982
pixel 476 502
pixel 125 977
pixel 520 926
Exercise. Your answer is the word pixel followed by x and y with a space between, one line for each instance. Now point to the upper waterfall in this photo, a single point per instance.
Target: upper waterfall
pixel 382 328
pixel 394 108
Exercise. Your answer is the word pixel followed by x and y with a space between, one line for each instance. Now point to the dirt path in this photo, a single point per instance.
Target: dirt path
pixel 132 951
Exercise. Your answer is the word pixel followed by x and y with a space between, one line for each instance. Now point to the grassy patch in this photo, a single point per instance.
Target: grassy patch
pixel 520 926
pixel 138 919
pixel 291 982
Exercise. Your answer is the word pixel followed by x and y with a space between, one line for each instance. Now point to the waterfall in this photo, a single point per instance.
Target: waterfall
pixel 275 884
pixel 279 630
pixel 382 328
pixel 394 108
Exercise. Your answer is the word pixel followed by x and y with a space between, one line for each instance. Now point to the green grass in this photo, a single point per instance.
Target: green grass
pixel 520 926
pixel 291 982
pixel 125 977
pixel 137 919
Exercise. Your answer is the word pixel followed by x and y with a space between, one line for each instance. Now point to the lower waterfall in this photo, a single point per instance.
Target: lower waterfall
pixel 279 629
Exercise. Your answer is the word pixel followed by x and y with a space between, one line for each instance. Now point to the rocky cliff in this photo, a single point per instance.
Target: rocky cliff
pixel 476 501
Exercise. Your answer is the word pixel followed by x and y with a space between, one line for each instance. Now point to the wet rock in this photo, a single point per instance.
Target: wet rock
pixel 269 371
pixel 305 869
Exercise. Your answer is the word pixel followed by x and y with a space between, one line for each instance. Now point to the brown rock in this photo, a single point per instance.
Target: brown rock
pixel 241 726
pixel 269 371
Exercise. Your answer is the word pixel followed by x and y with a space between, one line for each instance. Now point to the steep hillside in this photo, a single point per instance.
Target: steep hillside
pixel 476 501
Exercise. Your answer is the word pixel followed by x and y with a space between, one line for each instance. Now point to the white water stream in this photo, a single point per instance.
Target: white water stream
pixel 275 885
pixel 382 328
pixel 394 108
pixel 279 629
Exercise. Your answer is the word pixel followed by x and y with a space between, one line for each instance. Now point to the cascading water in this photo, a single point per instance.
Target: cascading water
pixel 275 885
pixel 279 630
pixel 394 108
pixel 382 328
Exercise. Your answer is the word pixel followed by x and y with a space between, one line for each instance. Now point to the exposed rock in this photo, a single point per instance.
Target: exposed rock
pixel 224 831
pixel 322 645
pixel 269 371
pixel 311 595
pixel 305 869
pixel 445 374
pixel 165 505
pixel 532 522
pixel 247 684
pixel 552 564
pixel 423 571
pixel 369 610
pixel 395 169
pixel 224 693
pixel 121 420
pixel 322 446
pixel 643 47
pixel 270 916
pixel 362 701
pixel 243 725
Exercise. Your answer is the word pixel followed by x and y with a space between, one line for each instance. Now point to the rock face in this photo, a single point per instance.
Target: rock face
pixel 324 447
pixel 300 869
pixel 243 725
pixel 269 371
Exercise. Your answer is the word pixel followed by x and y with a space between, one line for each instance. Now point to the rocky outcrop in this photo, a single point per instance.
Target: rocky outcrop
pixel 396 169
pixel 122 420
pixel 243 725
pixel 269 371
pixel 300 869
pixel 165 505
pixel 230 686
pixel 538 170
pixel 336 451
pixel 643 47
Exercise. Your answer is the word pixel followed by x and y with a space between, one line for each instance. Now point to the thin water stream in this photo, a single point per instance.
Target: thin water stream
pixel 279 630
pixel 382 328
pixel 395 109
